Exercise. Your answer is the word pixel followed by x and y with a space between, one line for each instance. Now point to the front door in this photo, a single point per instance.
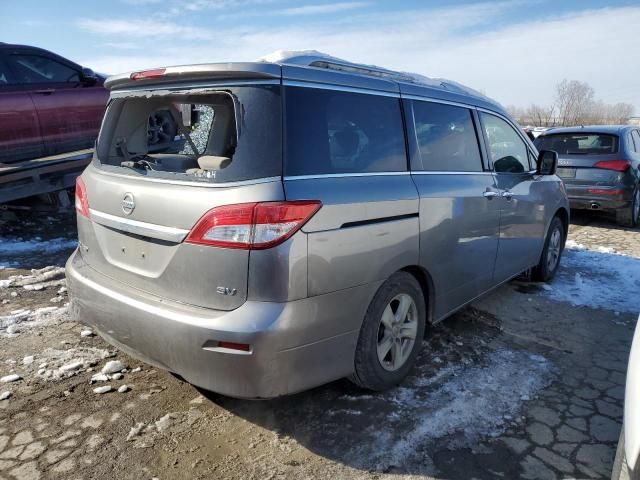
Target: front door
pixel 69 112
pixel 459 203
pixel 19 128
pixel 521 210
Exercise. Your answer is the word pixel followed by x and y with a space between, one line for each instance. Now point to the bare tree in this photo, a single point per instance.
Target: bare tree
pixel 575 104
pixel 541 116
pixel 574 101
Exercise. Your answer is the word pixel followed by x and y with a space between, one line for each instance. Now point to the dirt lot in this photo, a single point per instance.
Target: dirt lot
pixel 526 383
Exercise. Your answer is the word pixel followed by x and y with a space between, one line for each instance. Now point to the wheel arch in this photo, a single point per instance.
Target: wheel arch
pixel 426 284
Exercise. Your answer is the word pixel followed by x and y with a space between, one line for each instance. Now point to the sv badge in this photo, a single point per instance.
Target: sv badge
pixel 226 291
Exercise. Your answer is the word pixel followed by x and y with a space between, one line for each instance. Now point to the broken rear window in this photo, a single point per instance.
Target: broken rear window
pixel 208 135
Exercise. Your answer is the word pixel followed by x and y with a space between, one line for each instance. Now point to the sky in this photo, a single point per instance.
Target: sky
pixel 513 51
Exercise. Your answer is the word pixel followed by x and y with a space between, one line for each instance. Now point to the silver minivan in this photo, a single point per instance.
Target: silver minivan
pixel 307 220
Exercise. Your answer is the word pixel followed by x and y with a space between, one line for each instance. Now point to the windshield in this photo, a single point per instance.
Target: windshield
pixel 213 135
pixel 578 143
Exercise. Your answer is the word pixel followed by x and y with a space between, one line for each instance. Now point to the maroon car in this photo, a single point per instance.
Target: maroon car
pixel 48 104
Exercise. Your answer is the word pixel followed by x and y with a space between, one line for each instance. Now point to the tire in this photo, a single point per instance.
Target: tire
pixel 551 253
pixel 390 341
pixel 620 469
pixel 628 216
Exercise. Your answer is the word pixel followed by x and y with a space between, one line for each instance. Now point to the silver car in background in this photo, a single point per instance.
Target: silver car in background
pixel 600 167
pixel 308 220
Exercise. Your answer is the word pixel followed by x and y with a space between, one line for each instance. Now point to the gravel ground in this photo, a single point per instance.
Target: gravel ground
pixel 527 382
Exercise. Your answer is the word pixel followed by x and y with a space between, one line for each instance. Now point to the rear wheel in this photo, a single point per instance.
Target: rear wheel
pixel 551 253
pixel 391 333
pixel 629 216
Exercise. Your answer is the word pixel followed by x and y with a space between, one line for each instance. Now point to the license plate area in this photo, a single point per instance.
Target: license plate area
pixel 566 172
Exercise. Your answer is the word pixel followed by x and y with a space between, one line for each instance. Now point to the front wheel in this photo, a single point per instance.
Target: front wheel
pixel 551 253
pixel 391 333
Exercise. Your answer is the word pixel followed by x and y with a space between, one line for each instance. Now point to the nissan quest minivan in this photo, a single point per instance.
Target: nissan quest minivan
pixel 308 220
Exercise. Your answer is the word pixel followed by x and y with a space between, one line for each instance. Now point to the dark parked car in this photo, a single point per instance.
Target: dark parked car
pixel 599 166
pixel 48 104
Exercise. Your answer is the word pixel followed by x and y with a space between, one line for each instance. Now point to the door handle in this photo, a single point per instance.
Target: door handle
pixel 45 91
pixel 507 194
pixel 489 194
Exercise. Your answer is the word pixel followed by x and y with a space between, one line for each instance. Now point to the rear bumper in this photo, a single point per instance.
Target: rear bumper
pixel 599 197
pixel 294 345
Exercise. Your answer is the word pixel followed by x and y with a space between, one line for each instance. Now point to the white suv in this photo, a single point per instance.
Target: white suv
pixel 627 463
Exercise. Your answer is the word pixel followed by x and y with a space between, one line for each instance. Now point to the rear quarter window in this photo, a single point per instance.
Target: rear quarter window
pixel 334 132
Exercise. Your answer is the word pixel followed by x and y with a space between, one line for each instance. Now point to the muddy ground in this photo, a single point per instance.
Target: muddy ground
pixel 527 382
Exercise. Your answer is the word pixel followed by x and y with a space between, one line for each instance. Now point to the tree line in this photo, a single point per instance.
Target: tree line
pixel 574 104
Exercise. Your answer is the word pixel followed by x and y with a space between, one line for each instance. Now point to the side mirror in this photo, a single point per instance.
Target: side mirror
pixel 547 162
pixel 89 78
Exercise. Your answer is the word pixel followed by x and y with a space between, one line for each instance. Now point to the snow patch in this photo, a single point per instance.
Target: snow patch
pixel 61 364
pixel 113 366
pixel 101 390
pixel 5 395
pixel 22 320
pixel 14 377
pixel 20 248
pixel 473 403
pixel 597 279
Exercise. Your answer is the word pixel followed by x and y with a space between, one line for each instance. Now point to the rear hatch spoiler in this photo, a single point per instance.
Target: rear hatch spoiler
pixel 195 73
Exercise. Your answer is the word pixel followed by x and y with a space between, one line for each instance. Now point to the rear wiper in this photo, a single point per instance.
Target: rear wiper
pixel 138 162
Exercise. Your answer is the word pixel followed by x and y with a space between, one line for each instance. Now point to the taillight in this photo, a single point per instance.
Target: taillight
pixel 82 201
pixel 252 226
pixel 145 74
pixel 617 165
pixel 604 191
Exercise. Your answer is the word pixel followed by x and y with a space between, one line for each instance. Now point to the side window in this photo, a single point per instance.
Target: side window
pixel 39 69
pixel 446 138
pixel 5 74
pixel 508 152
pixel 333 132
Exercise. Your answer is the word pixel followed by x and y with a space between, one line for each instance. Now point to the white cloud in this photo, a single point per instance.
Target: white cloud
pixel 143 28
pixel 513 63
pixel 323 8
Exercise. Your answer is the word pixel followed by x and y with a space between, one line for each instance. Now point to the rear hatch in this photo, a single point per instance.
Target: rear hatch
pixel 584 158
pixel 163 160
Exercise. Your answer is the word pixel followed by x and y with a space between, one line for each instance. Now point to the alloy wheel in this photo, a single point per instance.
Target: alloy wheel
pixel 397 332
pixel 553 250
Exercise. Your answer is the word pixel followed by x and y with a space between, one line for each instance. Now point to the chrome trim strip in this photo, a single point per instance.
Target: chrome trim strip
pixel 242 183
pixel 340 88
pixel 341 175
pixel 437 100
pixel 433 172
pixel 173 87
pixel 161 232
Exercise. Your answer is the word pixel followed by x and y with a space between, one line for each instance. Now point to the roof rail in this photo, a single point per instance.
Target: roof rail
pixel 313 58
pixel 361 69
